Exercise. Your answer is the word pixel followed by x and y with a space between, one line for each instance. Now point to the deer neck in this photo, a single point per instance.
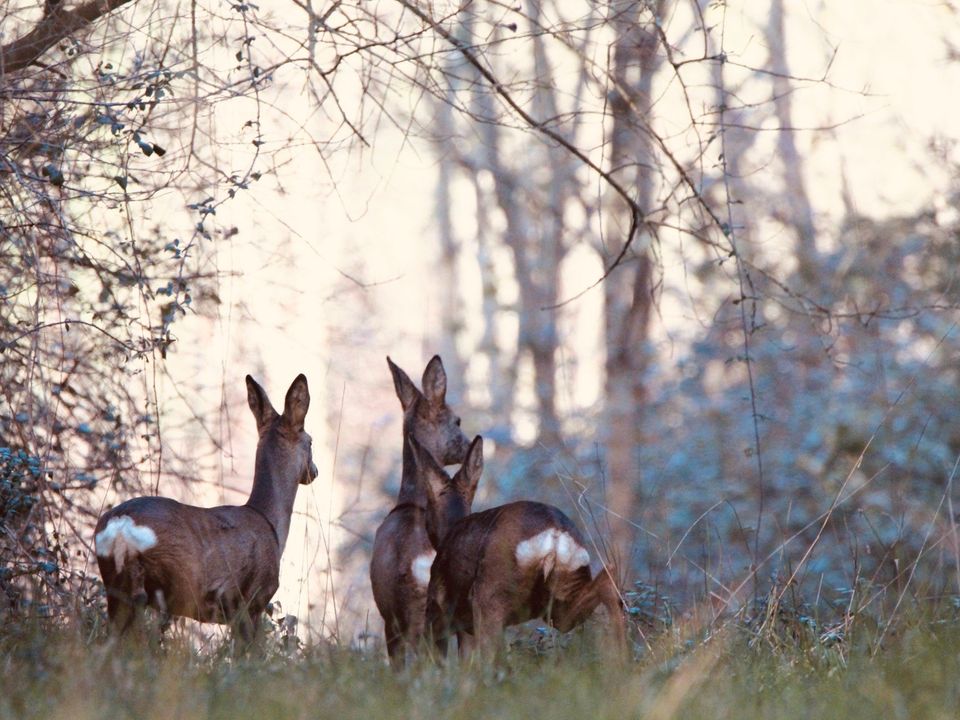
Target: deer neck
pixel 274 490
pixel 409 492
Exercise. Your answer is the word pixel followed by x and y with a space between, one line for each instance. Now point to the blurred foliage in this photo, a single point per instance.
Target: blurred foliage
pixel 856 389
pixel 857 393
pixel 90 296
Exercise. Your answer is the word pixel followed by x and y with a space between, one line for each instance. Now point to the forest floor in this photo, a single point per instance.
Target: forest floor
pixel 910 669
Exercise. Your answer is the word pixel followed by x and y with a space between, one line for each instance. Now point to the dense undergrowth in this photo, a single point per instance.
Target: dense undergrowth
pixel 689 670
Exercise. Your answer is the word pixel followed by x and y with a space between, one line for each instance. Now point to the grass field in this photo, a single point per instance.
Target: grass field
pixel 728 671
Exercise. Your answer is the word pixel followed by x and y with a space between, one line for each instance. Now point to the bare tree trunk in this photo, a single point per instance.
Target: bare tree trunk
pixel 628 298
pixel 538 335
pixel 471 160
pixel 502 372
pixel 544 341
pixel 799 216
pixel 536 266
pixel 798 202
pixel 448 299
pixel 536 244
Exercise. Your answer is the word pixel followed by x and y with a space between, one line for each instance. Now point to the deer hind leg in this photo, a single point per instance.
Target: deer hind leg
pixel 442 629
pixel 126 596
pixel 488 624
pixel 120 611
pixel 138 593
pixel 439 622
pixel 396 651
pixel 396 644
pixel 166 617
pixel 416 633
pixel 466 644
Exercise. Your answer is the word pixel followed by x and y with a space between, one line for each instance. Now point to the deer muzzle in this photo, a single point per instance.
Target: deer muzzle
pixel 310 475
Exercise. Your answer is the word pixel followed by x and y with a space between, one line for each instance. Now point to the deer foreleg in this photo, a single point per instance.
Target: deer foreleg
pixel 246 628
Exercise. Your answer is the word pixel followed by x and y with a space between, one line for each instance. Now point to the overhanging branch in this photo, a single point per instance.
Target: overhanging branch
pixel 56 24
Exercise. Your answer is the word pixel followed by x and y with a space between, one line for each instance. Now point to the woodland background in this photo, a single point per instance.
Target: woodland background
pixel 691 267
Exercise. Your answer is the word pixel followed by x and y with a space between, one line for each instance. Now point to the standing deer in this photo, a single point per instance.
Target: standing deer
pixel 505 565
pixel 219 564
pixel 402 553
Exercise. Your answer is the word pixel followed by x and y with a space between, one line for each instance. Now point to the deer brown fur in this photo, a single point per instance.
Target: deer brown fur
pixel 402 553
pixel 506 565
pixel 220 564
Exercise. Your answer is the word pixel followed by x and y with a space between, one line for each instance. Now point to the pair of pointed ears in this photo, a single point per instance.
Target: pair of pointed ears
pixel 295 405
pixel 434 383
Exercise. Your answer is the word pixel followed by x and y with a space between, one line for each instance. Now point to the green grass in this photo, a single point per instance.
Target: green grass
pixel 59 672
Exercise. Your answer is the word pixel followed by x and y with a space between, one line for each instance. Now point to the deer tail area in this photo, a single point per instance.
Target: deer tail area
pixel 122 540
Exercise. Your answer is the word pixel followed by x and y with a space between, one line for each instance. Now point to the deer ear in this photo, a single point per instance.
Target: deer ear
pixel 406 390
pixel 472 469
pixel 259 403
pixel 435 381
pixel 430 476
pixel 297 403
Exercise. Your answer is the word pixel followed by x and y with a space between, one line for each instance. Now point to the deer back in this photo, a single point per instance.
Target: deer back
pixel 203 563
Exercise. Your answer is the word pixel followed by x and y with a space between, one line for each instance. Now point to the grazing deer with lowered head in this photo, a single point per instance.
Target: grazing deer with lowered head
pixel 505 565
pixel 402 553
pixel 219 564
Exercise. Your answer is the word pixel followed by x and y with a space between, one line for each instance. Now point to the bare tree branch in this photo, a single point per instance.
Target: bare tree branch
pixel 636 212
pixel 56 24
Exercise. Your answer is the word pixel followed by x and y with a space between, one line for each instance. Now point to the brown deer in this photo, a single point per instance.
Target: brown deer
pixel 402 553
pixel 220 564
pixel 505 565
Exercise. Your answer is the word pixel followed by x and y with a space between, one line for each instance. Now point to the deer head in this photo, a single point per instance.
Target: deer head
pixel 448 499
pixel 426 415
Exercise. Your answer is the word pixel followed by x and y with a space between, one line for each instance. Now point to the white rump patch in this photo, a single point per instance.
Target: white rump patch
pixel 123 538
pixel 421 567
pixel 552 548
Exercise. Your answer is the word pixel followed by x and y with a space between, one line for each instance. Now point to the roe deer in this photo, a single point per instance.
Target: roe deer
pixel 219 564
pixel 505 565
pixel 402 553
